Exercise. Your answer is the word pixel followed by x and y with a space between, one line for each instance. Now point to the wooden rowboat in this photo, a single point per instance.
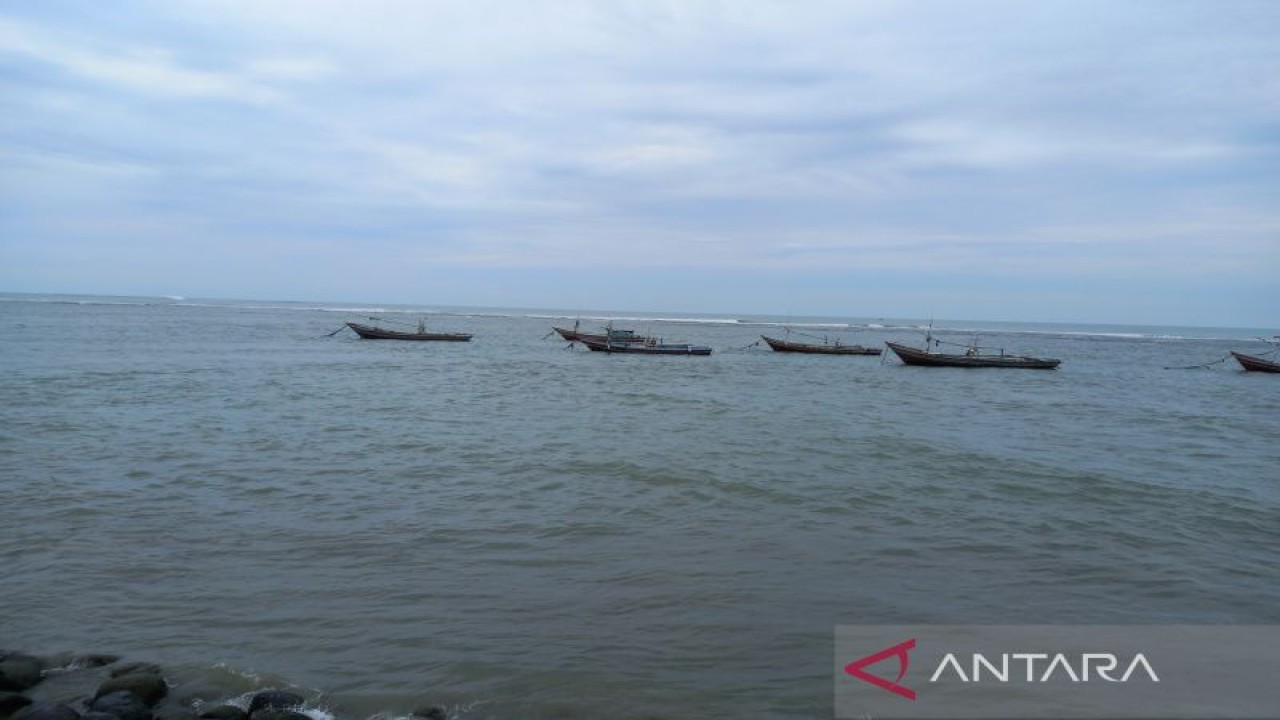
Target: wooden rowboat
pixel 368 332
pixel 610 335
pixel 914 356
pixel 824 349
pixel 1254 363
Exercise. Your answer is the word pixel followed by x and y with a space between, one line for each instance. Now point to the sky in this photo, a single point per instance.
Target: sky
pixel 1038 161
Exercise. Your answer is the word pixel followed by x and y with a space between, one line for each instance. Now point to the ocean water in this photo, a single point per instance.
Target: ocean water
pixel 515 529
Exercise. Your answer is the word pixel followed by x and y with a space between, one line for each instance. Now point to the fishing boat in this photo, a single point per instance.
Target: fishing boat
pixel 609 335
pixel 973 357
pixel 650 347
pixel 832 348
pixel 368 332
pixel 1253 363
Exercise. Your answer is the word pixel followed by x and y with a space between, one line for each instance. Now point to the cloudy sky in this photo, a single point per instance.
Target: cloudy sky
pixel 1067 161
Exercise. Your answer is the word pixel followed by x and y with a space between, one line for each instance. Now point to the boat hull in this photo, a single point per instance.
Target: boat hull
pixel 913 356
pixel 1256 364
pixel 616 336
pixel 645 348
pixel 367 332
pixel 784 346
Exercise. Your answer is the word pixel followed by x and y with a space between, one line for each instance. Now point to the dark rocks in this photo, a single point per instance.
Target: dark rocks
pixel 11 703
pixel 172 712
pixel 20 672
pixel 81 662
pixel 136 668
pixel 48 711
pixel 123 704
pixel 434 712
pixel 278 714
pixel 77 687
pixel 275 700
pixel 224 712
pixel 276 705
pixel 149 688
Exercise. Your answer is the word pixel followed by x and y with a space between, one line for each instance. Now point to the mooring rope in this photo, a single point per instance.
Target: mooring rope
pixel 385 321
pixel 1224 358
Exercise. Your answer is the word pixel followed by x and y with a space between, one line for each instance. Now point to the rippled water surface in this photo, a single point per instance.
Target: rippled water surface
pixel 519 530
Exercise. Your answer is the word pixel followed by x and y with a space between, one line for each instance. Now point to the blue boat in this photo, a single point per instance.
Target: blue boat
pixel 645 348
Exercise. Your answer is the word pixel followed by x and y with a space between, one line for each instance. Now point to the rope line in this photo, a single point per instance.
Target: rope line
pixel 391 322
pixel 1200 366
pixel 825 338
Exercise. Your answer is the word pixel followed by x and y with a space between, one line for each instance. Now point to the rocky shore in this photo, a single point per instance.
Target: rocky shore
pixel 106 687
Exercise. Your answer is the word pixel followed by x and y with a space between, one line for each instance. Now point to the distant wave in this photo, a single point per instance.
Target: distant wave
pixel 1061 332
pixel 1155 333
pixel 631 318
pixel 87 302
pixel 677 320
pixel 360 310
pixel 1071 333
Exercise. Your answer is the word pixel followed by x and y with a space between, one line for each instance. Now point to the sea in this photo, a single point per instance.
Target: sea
pixel 516 528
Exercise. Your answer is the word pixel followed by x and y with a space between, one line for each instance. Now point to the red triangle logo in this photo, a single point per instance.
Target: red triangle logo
pixel 856 668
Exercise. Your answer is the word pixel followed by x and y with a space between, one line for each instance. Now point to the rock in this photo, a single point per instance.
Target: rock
pixel 197 693
pixel 20 672
pixel 170 712
pixel 123 704
pixel 48 711
pixel 434 712
pixel 98 715
pixel 11 703
pixel 149 688
pixel 274 699
pixel 136 668
pixel 224 712
pixel 81 662
pixel 278 714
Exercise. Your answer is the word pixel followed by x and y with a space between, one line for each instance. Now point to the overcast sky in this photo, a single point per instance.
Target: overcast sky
pixel 1038 160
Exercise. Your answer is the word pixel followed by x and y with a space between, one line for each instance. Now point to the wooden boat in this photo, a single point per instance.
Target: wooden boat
pixel 610 335
pixel 368 332
pixel 646 348
pixel 970 359
pixel 1254 363
pixel 834 348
